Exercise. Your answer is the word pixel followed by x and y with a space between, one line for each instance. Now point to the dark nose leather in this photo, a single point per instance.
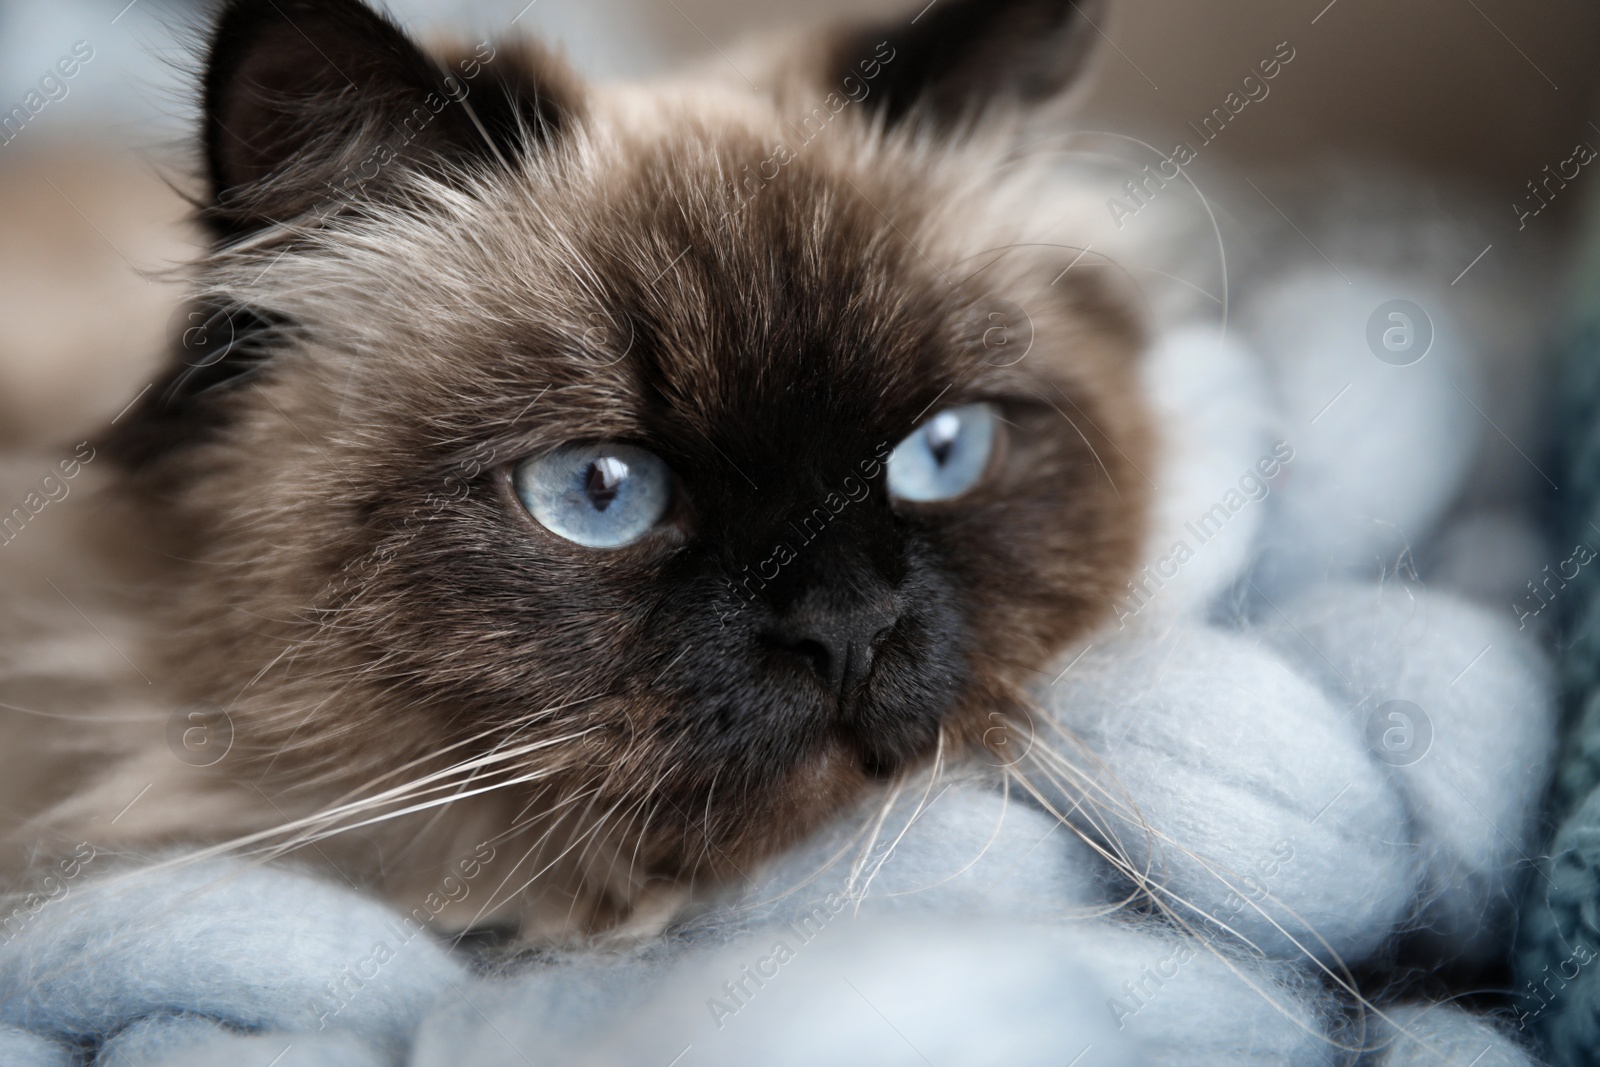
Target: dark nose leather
pixel 838 640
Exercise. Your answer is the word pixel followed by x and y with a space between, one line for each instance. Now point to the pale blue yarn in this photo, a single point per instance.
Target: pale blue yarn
pixel 19 1048
pixel 251 948
pixel 221 965
pixel 156 1039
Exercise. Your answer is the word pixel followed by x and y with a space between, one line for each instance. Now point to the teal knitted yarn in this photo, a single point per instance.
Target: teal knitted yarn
pixel 1579 770
pixel 1557 990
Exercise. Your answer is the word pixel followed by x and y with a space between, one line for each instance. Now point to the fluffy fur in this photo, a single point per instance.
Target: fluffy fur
pixel 427 267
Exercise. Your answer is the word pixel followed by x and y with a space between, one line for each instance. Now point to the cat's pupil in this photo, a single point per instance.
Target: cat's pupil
pixel 604 481
pixel 941 436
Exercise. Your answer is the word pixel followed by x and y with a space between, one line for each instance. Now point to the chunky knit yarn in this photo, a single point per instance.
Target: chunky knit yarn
pixel 1557 987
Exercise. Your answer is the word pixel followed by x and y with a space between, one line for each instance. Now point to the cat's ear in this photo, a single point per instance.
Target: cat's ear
pixel 307 101
pixel 951 59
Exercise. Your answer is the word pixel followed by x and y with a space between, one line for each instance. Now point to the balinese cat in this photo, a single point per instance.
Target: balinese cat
pixel 617 481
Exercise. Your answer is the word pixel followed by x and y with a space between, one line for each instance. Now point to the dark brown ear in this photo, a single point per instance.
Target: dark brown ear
pixel 310 101
pixel 954 58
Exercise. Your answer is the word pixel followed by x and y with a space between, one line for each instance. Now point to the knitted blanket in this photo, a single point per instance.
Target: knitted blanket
pixel 1291 769
pixel 1558 959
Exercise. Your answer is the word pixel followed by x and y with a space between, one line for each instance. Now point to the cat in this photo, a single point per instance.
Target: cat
pixel 623 479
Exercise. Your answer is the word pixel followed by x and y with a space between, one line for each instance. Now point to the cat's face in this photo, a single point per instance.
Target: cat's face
pixel 709 453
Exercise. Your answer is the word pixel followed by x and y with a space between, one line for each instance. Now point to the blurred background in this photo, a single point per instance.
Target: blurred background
pixel 1488 92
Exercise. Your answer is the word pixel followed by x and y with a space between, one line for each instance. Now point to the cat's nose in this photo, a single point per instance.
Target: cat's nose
pixel 838 641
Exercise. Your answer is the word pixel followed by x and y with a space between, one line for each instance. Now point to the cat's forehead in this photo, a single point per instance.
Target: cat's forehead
pixel 699 272
pixel 691 270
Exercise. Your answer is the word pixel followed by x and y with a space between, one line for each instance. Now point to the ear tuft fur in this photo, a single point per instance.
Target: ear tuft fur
pixel 311 106
pixel 314 101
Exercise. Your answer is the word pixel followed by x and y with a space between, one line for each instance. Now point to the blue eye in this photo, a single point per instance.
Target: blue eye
pixel 602 495
pixel 945 457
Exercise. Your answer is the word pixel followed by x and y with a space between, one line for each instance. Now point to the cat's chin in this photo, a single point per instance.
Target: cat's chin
pixel 634 879
pixel 622 881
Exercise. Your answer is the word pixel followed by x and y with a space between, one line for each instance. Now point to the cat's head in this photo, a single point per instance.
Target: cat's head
pixel 694 454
